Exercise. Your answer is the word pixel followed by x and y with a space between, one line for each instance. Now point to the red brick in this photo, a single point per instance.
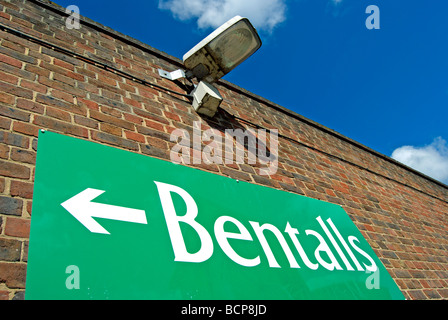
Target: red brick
pixel 75 76
pixel 14 113
pixel 443 293
pixel 35 70
pixel 342 189
pixel 5 16
pixel 432 294
pixel 17 227
pixel 13 274
pixel 14 46
pixel 8 78
pixel 7 98
pixel 135 136
pixel 21 189
pixel 154 151
pixel 64 127
pixel 14 170
pixel 85 47
pixel 111 120
pixel 58 114
pixel 106 80
pixel 89 104
pixel 154 125
pixel 33 86
pixel 15 90
pixel 86 122
pixel 132 102
pixel 4 295
pixel 133 118
pixel 171 116
pixel 151 116
pixel 25 128
pixel 127 87
pixel 24 156
pixel 108 128
pixel 114 140
pixel 10 249
pixel 57 71
pixel 64 64
pixel 122 62
pixel 235 174
pixel 11 61
pixel 13 139
pixel 63 96
pixel 10 206
pixel 57 103
pixel 30 105
pixel 79 91
pixel 148 93
pixel 112 111
pixel 158 143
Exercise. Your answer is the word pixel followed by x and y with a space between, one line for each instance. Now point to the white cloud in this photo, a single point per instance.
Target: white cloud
pixel 335 8
pixel 431 160
pixel 263 14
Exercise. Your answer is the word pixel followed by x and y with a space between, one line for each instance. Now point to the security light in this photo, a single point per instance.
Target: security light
pixel 215 56
pixel 206 99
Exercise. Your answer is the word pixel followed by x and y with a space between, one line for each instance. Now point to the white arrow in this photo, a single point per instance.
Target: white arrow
pixel 83 209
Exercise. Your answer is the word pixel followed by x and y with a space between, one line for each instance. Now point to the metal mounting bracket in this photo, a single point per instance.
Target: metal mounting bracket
pixel 174 75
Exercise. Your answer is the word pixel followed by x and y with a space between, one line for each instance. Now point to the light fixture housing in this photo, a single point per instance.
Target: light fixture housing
pixel 223 50
pixel 214 57
pixel 206 99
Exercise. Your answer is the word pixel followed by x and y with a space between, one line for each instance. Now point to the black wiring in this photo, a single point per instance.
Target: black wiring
pixel 88 60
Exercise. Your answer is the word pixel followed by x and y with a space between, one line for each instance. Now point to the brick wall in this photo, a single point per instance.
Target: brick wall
pixel 89 85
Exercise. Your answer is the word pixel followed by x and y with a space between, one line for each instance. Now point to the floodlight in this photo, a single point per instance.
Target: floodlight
pixel 206 99
pixel 215 56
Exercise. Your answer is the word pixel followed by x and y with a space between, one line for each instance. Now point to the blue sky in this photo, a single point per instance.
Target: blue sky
pixel 386 88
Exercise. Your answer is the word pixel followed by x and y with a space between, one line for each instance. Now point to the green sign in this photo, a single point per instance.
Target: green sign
pixel 111 224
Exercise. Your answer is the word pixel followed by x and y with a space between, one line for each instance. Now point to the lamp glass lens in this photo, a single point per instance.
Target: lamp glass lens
pixel 234 45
